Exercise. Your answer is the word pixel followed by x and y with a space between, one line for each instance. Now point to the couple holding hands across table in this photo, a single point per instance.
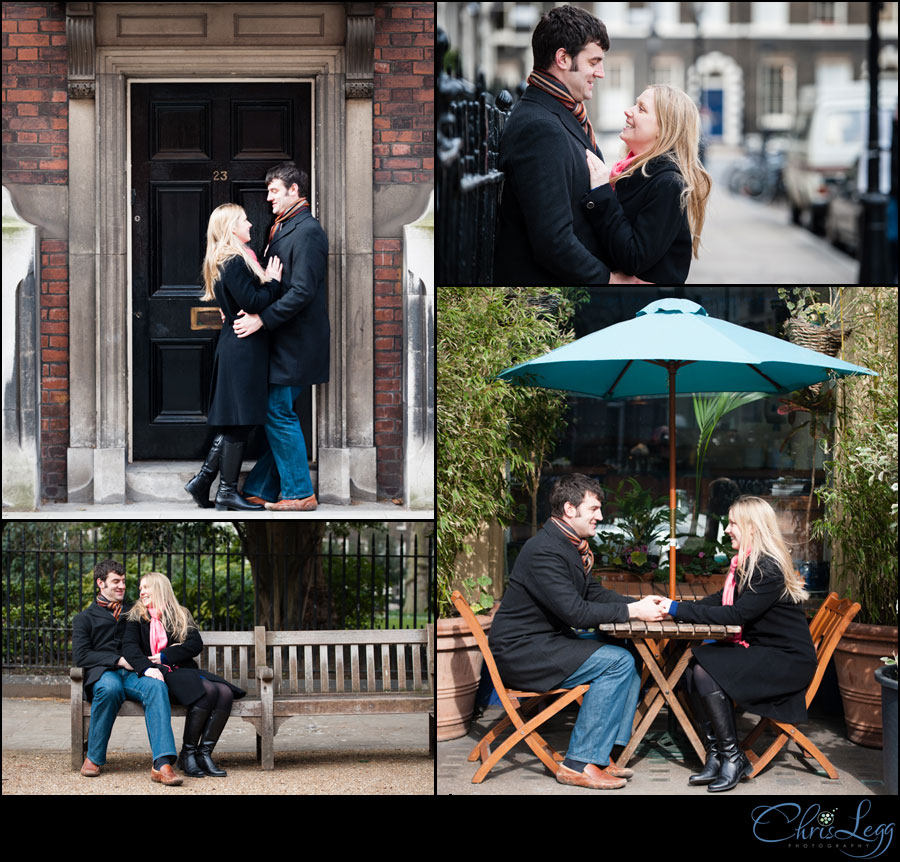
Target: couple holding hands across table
pixel 145 652
pixel 538 642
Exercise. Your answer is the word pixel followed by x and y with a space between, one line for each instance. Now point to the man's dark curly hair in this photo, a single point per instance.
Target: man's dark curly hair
pixel 566 27
pixel 289 173
pixel 105 568
pixel 572 489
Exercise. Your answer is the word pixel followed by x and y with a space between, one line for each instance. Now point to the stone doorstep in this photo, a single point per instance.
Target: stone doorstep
pixel 164 481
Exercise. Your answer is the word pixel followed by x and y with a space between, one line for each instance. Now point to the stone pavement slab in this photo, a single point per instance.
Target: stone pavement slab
pixel 660 767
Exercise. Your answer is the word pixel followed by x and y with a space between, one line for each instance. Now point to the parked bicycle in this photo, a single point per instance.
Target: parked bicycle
pixel 758 174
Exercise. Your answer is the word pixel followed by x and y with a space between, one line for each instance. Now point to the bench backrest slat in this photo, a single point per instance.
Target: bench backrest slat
pixel 311 662
pixel 233 656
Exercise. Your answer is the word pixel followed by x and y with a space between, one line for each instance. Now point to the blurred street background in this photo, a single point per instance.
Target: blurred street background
pixel 750 241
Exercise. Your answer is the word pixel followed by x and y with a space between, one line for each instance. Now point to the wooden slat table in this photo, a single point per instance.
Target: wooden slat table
pixel 665 648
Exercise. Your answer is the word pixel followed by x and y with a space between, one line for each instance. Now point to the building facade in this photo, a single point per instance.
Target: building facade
pixel 744 64
pixel 124 125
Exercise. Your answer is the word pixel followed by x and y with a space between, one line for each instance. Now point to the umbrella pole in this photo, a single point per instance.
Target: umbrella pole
pixel 672 367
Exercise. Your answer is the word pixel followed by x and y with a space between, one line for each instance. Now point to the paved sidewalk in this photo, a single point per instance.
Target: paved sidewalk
pixel 334 754
pixel 660 768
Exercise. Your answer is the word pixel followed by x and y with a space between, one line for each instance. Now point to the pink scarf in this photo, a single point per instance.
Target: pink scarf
pixel 158 638
pixel 622 166
pixel 728 596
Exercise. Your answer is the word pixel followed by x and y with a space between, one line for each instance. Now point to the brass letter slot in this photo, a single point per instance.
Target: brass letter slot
pixel 204 317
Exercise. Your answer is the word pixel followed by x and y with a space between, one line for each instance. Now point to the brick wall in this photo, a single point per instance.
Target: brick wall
pixel 403 153
pixel 35 151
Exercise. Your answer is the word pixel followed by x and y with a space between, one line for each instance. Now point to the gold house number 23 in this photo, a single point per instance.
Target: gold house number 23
pixel 220 176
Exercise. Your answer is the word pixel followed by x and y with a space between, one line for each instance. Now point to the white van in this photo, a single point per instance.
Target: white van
pixel 830 135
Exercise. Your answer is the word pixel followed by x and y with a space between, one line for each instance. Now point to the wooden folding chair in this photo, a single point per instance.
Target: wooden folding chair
pixel 516 712
pixel 826 629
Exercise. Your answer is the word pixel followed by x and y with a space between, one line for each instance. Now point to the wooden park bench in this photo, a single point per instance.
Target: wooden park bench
pixel 286 674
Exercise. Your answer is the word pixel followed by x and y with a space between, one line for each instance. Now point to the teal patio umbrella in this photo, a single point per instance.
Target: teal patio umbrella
pixel 673 347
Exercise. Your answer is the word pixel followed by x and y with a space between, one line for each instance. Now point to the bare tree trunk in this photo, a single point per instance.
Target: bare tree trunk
pixel 286 572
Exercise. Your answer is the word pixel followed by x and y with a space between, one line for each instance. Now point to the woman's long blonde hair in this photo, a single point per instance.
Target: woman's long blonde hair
pixel 679 140
pixel 760 537
pixel 222 244
pixel 175 618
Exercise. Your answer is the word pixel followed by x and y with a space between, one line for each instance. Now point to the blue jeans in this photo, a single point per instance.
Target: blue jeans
pixel 110 692
pixel 607 710
pixel 283 467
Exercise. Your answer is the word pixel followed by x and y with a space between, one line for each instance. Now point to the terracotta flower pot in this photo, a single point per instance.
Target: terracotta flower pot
pixel 622 575
pixel 459 664
pixel 714 579
pixel 856 658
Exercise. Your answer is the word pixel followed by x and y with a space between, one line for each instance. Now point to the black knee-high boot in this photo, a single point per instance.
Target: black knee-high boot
pixel 199 486
pixel 227 497
pixel 194 723
pixel 734 763
pixel 710 771
pixel 211 734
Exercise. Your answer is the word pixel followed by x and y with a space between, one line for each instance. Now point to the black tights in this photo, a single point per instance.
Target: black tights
pixel 696 679
pixel 216 695
pixel 236 433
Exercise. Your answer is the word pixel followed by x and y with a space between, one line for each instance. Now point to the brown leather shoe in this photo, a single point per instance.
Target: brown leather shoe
pixel 593 776
pixel 258 500
pixel 618 771
pixel 166 775
pixel 307 504
pixel 89 770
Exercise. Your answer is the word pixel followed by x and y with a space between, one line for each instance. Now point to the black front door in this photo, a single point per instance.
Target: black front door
pixel 194 147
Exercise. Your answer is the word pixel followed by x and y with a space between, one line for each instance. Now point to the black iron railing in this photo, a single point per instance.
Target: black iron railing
pixel 469 183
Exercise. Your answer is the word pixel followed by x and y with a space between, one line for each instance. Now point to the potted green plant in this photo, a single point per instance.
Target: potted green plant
pixel 639 519
pixel 709 411
pixel 861 508
pixel 703 561
pixel 492 436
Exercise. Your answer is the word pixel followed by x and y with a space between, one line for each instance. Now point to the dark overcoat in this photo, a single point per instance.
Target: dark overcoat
pixel 300 333
pixel 770 677
pixel 180 671
pixel 548 596
pixel 97 643
pixel 543 235
pixel 640 226
pixel 238 392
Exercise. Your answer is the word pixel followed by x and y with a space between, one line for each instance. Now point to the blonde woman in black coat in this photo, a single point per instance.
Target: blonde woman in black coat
pixel 160 641
pixel 239 389
pixel 767 668
pixel 647 211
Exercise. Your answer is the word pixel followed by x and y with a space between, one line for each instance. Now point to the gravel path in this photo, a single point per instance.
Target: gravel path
pixel 327 754
pixel 361 773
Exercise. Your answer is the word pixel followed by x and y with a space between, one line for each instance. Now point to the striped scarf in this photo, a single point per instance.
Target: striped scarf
pixel 115 608
pixel 581 545
pixel 553 87
pixel 303 202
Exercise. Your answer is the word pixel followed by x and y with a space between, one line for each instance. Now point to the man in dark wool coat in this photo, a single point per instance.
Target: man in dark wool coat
pixel 543 237
pixel 109 679
pixel 299 345
pixel 537 646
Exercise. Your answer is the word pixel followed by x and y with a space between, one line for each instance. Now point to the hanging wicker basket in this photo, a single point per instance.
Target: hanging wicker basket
pixel 815 337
